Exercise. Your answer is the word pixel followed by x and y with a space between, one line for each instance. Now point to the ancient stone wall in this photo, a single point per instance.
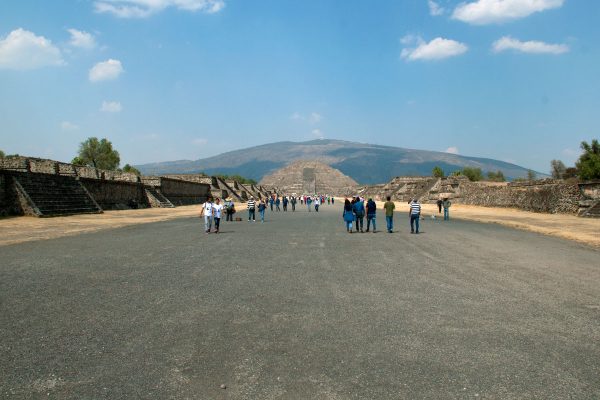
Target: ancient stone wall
pixel 116 195
pixel 178 191
pixel 9 204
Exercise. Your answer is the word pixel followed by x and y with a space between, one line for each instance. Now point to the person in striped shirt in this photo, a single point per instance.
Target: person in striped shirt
pixel 415 214
pixel 252 209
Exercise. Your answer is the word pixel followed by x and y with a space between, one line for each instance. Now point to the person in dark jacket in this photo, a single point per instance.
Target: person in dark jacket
pixel 371 214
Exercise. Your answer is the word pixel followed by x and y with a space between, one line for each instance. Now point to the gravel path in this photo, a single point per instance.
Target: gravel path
pixel 296 308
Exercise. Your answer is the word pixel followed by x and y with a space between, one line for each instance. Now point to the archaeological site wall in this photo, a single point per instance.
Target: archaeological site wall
pixel 116 195
pixel 180 192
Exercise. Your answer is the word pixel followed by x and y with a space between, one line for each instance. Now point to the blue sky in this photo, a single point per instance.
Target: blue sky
pixel 515 80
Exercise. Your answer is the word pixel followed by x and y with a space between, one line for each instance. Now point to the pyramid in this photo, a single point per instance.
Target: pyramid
pixel 310 177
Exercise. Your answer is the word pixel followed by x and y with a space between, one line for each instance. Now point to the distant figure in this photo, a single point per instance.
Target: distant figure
pixel 359 212
pixel 371 214
pixel 229 209
pixel 285 203
pixel 301 200
pixel 317 204
pixel 217 208
pixel 328 200
pixel 439 204
pixel 277 202
pixel 207 212
pixel 261 210
pixel 308 201
pixel 415 214
pixel 348 215
pixel 293 201
pixel 271 201
pixel 389 207
pixel 446 204
pixel 332 200
pixel 251 209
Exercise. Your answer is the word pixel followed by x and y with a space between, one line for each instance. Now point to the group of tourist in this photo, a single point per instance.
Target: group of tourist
pixel 353 214
pixel 285 201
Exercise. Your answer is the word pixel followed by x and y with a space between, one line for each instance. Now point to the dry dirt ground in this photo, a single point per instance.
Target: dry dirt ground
pixel 23 229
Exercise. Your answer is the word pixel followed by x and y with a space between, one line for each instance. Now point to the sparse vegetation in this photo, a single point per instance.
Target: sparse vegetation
pixel 98 154
pixel 132 170
pixel 238 178
pixel 437 172
pixel 531 175
pixel 474 174
pixel 497 176
pixel 588 165
pixel 1 154
pixel 558 169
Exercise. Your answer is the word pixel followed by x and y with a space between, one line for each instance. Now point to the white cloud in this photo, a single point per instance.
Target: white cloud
pixel 532 46
pixel 296 116
pixel 106 70
pixel 439 48
pixel 68 126
pixel 452 150
pixel 23 50
pixel 482 12
pixel 317 133
pixel 314 118
pixel 146 8
pixel 434 8
pixel 82 39
pixel 111 106
pixel 199 142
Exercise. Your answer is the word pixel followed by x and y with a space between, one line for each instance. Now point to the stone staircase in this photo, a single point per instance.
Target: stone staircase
pixel 593 211
pixel 48 195
pixel 156 198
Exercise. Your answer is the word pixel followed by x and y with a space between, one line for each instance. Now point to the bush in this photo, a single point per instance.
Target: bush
pixel 437 172
pixel 474 174
pixel 588 164
pixel 497 176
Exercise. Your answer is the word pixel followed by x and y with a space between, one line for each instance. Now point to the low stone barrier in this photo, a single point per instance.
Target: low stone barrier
pixel 116 195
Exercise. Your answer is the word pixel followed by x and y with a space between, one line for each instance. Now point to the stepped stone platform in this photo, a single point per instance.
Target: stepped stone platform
pixel 310 177
pixel 46 195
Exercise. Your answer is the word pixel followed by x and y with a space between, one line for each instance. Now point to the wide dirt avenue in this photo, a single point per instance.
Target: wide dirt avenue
pixel 296 308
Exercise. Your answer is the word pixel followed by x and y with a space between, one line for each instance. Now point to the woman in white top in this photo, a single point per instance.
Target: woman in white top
pixel 207 212
pixel 217 208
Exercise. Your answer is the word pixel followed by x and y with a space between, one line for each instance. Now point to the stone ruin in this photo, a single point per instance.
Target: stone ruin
pixel 40 187
pixel 310 177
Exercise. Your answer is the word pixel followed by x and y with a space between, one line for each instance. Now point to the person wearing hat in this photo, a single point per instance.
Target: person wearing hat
pixel 229 209
pixel 252 209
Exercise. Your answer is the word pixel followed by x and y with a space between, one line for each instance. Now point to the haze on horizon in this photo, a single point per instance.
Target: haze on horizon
pixel 513 80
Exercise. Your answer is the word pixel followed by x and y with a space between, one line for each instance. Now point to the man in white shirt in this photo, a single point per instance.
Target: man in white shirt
pixel 217 208
pixel 207 212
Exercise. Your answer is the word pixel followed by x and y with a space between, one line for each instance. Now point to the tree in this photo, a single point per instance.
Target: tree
pixel 531 175
pixel 558 169
pixel 497 176
pixel 437 172
pixel 474 174
pixel 588 164
pixel 1 154
pixel 132 170
pixel 570 173
pixel 98 154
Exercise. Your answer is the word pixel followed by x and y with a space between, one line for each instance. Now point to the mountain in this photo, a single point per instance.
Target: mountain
pixel 365 163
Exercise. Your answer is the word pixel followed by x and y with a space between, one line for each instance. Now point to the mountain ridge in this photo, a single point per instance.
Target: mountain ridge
pixel 364 162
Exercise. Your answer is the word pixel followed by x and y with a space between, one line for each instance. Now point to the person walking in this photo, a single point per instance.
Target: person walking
pixel 261 210
pixel 308 201
pixel 332 200
pixel 217 209
pixel 317 203
pixel 348 215
pixel 389 207
pixel 229 209
pixel 207 213
pixel 277 203
pixel 271 201
pixel 285 203
pixel 359 211
pixel 293 201
pixel 252 209
pixel 371 214
pixel 415 215
pixel 446 204
pixel 439 204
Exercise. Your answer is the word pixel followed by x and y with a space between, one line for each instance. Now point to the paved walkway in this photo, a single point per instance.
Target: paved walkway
pixel 296 308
